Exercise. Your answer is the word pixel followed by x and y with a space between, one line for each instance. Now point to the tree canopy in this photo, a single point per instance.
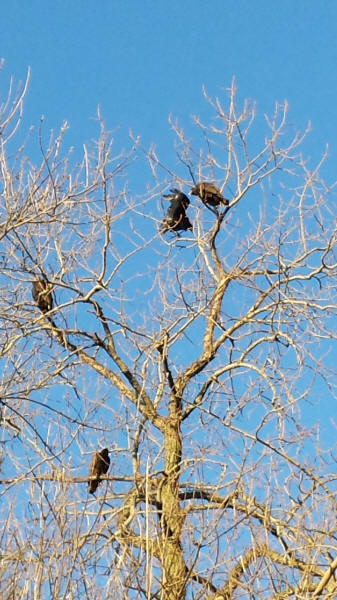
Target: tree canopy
pixel 198 361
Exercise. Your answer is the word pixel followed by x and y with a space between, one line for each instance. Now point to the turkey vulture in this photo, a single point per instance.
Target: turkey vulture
pixel 42 294
pixel 209 194
pixel 176 219
pixel 99 466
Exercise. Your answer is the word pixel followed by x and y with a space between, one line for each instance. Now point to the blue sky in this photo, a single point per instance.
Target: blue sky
pixel 142 60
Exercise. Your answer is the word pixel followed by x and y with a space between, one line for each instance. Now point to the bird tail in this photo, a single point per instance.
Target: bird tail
pixel 93 485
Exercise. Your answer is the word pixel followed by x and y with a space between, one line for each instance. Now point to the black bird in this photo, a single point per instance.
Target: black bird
pixel 176 219
pixel 178 197
pixel 209 194
pixel 99 465
pixel 42 294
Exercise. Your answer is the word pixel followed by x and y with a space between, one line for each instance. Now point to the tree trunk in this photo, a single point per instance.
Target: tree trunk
pixel 174 568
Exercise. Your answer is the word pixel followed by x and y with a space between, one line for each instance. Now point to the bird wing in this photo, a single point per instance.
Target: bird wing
pixel 211 189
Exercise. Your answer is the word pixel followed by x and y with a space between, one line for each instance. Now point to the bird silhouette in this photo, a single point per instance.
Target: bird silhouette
pixel 42 294
pixel 176 219
pixel 209 194
pixel 99 465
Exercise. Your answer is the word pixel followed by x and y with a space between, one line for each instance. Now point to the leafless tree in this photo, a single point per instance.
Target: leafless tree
pixel 199 361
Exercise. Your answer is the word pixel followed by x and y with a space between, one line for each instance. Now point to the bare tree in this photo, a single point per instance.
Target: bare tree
pixel 195 360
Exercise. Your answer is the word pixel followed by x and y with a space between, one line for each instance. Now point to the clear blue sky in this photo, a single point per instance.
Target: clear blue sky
pixel 141 60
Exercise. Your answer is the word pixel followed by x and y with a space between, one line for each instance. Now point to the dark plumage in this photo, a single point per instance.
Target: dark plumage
pixel 176 219
pixel 99 466
pixel 209 194
pixel 178 197
pixel 181 223
pixel 42 294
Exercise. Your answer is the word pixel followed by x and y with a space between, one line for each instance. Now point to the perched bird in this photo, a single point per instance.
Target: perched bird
pixel 99 465
pixel 176 219
pixel 42 294
pixel 209 194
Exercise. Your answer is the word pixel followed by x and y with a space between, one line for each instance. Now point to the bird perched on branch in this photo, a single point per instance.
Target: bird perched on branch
pixel 99 465
pixel 176 219
pixel 209 194
pixel 42 294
